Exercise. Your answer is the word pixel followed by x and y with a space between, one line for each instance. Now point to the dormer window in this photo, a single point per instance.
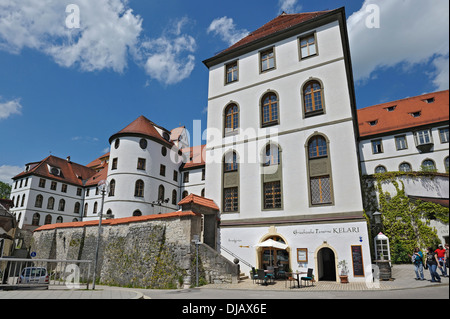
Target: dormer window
pixel 390 108
pixel 416 114
pixel 54 170
pixel 373 123
pixel 429 100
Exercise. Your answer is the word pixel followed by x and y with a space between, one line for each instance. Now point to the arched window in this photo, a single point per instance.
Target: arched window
pixel 202 193
pixel 272 155
pixel 185 194
pixel 317 147
pixel 95 208
pixel 230 183
pixel 380 169
pixel 50 203
pixel 269 109
pixel 62 204
pixel 85 209
pixel 319 171
pixel 112 187
pixel 428 166
pixel 23 200
pixel 446 164
pixel 48 219
pixel 404 167
pixel 230 162
pixel 174 197
pixel 231 118
pixel 76 209
pixel 312 98
pixel 161 193
pixel 38 202
pixel 139 188
pixel 272 177
pixel 137 212
pixel 35 221
pixel 59 219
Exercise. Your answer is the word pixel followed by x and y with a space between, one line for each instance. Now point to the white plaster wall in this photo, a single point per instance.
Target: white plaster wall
pixel 391 158
pixel 339 237
pixel 124 203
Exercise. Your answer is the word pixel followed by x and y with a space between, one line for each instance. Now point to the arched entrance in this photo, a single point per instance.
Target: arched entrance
pixel 270 256
pixel 326 263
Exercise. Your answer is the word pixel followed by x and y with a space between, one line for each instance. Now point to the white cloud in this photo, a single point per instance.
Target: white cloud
pixel 226 29
pixel 9 107
pixel 441 74
pixel 8 171
pixel 169 58
pixel 289 6
pixel 107 30
pixel 410 33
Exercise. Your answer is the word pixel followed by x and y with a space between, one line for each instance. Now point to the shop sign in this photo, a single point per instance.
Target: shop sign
pixel 334 230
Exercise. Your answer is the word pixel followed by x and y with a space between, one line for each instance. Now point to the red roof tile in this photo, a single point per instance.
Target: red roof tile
pixel 142 126
pixel 378 119
pixel 117 221
pixel 192 198
pixel 196 156
pixel 70 172
pixel 280 23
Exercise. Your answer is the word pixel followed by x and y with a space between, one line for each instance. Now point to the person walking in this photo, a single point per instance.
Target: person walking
pixel 441 259
pixel 446 256
pixel 417 259
pixel 432 264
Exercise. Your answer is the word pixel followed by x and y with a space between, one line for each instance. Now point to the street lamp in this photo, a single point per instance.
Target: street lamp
pixel 377 218
pixel 103 187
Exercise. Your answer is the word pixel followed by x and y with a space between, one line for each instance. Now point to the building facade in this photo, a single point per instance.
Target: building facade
pixel 282 160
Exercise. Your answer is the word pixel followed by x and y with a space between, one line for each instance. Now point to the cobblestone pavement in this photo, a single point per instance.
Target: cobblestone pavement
pixel 403 276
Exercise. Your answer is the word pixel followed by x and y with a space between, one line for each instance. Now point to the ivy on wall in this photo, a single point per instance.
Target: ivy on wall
pixel 405 222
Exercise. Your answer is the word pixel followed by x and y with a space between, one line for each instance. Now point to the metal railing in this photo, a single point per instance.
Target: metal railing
pixel 235 256
pixel 18 272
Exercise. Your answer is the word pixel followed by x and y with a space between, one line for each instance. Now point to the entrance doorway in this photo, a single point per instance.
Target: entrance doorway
pixel 278 258
pixel 327 265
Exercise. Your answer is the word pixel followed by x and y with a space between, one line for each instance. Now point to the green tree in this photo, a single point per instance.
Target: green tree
pixel 5 190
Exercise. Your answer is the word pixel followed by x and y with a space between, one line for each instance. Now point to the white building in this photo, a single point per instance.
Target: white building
pixel 282 160
pixel 411 134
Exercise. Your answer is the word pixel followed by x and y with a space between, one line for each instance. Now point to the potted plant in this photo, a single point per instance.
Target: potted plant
pixel 344 271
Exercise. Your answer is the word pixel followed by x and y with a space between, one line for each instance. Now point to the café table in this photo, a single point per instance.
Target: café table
pixel 297 274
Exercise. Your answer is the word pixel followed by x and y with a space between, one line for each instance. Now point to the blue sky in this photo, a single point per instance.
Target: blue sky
pixel 66 91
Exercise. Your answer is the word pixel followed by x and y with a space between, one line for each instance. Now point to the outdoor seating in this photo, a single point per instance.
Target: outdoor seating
pixel 270 273
pixel 309 276
pixel 253 274
pixel 262 277
pixel 289 277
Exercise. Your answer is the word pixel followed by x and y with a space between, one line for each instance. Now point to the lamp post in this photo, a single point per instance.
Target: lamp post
pixel 377 217
pixel 103 186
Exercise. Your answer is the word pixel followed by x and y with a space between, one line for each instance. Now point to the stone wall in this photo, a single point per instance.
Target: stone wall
pixel 153 251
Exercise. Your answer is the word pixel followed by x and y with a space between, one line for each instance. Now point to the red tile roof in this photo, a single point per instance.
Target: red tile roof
pixel 377 119
pixel 70 172
pixel 118 221
pixel 196 156
pixel 195 199
pixel 280 23
pixel 142 126
pixel 98 162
